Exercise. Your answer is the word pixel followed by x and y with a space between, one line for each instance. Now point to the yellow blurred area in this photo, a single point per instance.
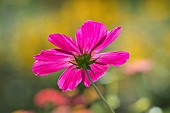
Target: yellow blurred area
pixel 26 24
pixel 31 33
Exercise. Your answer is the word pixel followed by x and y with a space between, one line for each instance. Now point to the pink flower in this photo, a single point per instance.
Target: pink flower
pixel 137 66
pixel 50 95
pixel 91 38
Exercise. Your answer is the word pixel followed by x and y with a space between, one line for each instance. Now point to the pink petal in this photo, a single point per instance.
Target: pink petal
pixel 53 55
pixel 112 58
pixel 63 42
pixel 69 79
pixel 89 34
pixel 96 72
pixel 44 68
pixel 111 36
pixel 49 61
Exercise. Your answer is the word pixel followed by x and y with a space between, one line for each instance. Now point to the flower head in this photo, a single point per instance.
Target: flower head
pixel 137 66
pixel 76 56
pixel 50 96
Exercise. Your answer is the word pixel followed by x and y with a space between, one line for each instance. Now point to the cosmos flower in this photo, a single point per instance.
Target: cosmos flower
pixel 137 66
pixel 50 96
pixel 80 54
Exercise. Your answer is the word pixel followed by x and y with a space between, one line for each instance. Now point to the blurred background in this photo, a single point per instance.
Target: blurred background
pixel 142 85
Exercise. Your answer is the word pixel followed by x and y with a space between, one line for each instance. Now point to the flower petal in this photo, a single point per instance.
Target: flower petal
pixel 44 68
pixel 111 36
pixel 89 34
pixel 96 72
pixel 69 79
pixel 112 58
pixel 63 42
pixel 49 61
pixel 53 55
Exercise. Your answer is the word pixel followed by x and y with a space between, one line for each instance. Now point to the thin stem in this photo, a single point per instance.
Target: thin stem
pixel 98 92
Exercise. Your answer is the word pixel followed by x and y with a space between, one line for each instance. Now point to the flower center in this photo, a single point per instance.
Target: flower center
pixel 83 61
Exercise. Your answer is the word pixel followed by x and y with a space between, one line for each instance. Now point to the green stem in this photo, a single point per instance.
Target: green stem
pixel 98 92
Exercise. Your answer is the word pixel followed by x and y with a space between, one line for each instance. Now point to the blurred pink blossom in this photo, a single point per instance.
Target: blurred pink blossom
pixel 137 66
pixel 50 95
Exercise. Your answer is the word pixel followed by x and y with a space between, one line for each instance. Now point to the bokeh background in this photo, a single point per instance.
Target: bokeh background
pixel 142 85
